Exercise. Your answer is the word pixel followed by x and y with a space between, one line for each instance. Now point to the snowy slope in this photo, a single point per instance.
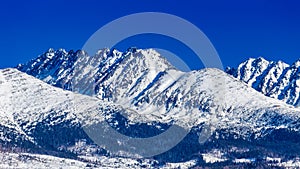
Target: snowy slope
pixel 149 90
pixel 144 81
pixel 61 68
pixel 48 117
pixel 274 79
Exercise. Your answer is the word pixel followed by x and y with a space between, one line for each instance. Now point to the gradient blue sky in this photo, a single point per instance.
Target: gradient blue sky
pixel 238 29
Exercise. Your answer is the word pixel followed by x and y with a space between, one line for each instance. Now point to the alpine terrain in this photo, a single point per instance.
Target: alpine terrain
pixel 274 79
pixel 52 106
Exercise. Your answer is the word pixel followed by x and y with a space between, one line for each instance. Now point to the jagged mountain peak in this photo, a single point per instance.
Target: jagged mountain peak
pixel 275 79
pixel 296 64
pixel 102 54
pixel 258 59
pixel 103 68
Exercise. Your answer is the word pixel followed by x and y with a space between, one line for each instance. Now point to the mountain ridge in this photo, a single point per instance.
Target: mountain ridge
pixel 227 124
pixel 274 79
pixel 140 95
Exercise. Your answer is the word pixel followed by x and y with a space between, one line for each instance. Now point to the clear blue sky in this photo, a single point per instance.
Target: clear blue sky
pixel 238 29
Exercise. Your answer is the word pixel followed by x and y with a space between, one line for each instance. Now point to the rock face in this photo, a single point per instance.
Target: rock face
pixel 141 95
pixel 274 79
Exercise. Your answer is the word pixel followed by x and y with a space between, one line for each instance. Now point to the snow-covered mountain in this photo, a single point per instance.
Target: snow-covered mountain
pixel 274 79
pixel 116 75
pixel 236 119
pixel 144 81
pixel 43 115
pixel 39 118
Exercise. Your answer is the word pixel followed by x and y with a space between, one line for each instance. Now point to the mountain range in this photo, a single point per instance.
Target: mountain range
pixel 49 105
pixel 274 79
